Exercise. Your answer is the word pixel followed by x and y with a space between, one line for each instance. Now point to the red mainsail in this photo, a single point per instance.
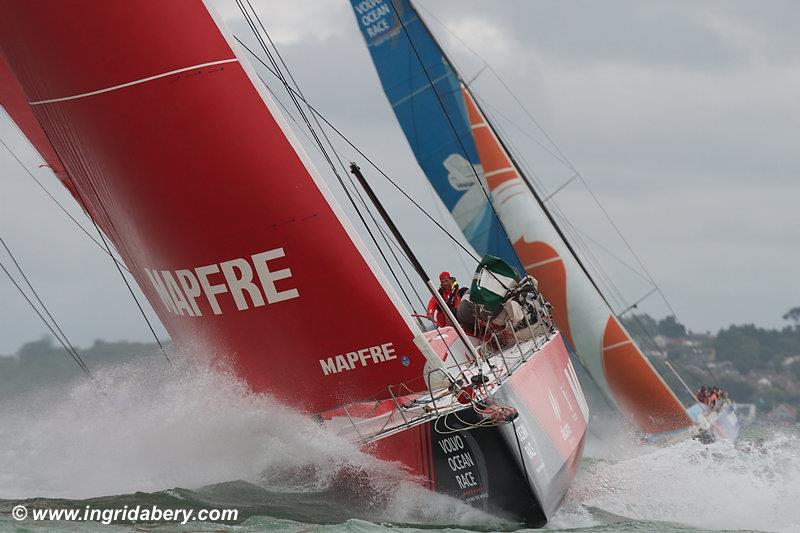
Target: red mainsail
pixel 186 165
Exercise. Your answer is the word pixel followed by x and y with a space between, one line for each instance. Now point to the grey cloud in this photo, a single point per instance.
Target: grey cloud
pixel 684 34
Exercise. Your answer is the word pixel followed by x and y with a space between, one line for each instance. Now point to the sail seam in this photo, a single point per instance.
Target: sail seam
pixel 540 263
pixel 617 345
pixel 412 94
pixel 134 82
pixel 499 171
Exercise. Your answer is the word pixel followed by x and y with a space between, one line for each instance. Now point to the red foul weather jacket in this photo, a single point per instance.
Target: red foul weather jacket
pixel 451 297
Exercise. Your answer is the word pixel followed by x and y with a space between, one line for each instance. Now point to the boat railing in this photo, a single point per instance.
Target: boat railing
pixel 496 353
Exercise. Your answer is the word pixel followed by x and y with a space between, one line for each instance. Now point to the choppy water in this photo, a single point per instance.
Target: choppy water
pixel 194 437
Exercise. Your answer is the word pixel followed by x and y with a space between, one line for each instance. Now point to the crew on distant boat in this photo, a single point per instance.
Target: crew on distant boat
pixel 711 397
pixel 720 396
pixel 702 395
pixel 451 294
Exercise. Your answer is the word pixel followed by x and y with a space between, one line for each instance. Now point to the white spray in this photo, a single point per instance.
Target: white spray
pixel 712 487
pixel 142 426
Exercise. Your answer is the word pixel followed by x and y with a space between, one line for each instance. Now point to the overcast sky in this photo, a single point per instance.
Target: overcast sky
pixel 683 117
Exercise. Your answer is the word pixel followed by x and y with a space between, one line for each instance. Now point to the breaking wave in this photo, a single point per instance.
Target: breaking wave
pixel 143 426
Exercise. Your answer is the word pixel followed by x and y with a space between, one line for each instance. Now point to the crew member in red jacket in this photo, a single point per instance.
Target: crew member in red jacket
pixel 450 294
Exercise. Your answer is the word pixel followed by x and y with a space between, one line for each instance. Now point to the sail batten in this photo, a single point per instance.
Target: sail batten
pixel 515 211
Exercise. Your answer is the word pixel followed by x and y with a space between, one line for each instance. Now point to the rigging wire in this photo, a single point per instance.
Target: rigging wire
pixel 107 246
pixel 53 198
pixel 344 170
pixel 566 233
pixel 603 248
pixel 635 304
pixel 611 286
pixel 71 348
pixel 64 342
pixel 124 278
pixel 296 91
pixel 558 154
pixel 130 289
pixel 664 354
pixel 369 160
pixel 438 205
pixel 104 246
pixel 390 241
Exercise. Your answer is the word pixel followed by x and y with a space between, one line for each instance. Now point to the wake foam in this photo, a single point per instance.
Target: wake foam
pixel 144 426
pixel 713 487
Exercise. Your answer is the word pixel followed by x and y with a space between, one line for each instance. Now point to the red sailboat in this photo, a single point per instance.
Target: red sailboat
pixel 157 124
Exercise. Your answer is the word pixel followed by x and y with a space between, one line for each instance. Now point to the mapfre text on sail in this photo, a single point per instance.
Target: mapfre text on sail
pixel 179 290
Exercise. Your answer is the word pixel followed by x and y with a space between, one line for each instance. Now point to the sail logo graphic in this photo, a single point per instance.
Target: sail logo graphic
pixel 373 15
pixel 349 361
pixel 180 290
pixel 461 174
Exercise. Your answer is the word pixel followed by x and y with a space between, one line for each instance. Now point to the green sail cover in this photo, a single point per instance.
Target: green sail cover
pixel 492 281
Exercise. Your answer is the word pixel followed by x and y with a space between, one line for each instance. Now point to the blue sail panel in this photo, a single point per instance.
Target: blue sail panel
pixel 417 96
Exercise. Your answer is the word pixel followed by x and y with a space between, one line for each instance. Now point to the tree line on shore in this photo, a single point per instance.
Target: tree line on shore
pixel 756 365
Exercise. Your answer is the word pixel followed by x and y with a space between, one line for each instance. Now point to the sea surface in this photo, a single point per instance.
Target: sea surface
pixel 193 437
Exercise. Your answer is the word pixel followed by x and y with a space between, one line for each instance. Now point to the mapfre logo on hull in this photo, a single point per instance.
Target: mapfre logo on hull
pixel 180 290
pixel 357 359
